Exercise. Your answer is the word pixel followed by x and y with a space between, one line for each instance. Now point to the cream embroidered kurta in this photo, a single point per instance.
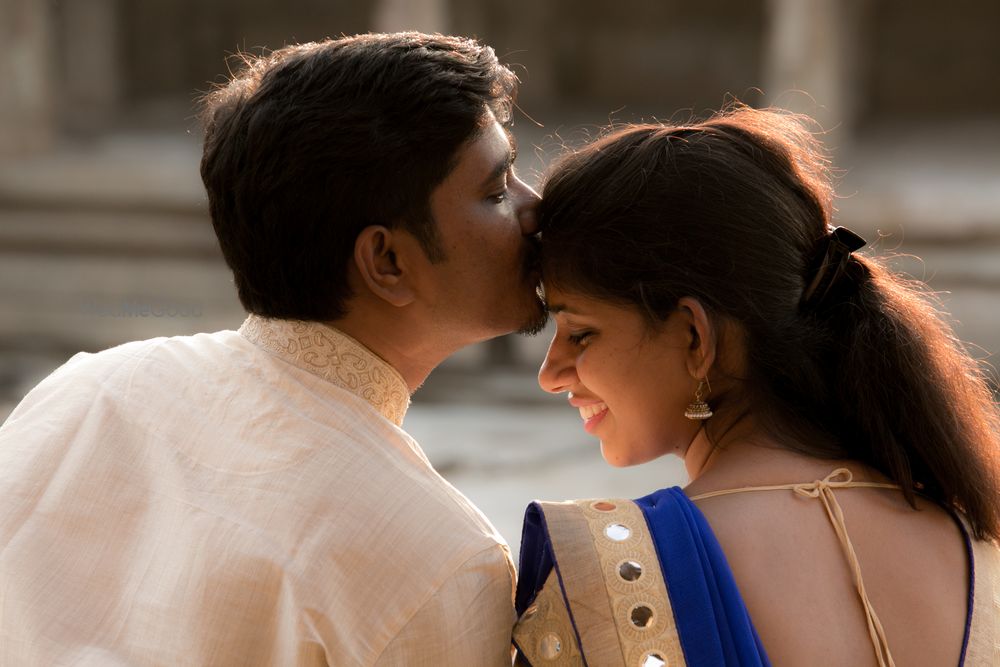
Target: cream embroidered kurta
pixel 238 498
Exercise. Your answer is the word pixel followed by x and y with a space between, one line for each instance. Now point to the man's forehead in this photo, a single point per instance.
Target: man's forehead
pixel 489 153
pixel 493 140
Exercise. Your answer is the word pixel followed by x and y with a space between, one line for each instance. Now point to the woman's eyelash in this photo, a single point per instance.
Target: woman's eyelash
pixel 580 337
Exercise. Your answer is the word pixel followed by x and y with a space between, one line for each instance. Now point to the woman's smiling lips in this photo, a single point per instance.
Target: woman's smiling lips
pixel 592 411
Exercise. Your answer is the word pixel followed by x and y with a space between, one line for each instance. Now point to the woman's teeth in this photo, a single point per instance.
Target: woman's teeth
pixel 588 411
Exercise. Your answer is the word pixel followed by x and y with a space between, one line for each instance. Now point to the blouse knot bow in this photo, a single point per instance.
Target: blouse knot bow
pixel 839 478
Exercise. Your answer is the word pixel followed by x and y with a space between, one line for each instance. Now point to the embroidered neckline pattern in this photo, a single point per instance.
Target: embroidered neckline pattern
pixel 335 357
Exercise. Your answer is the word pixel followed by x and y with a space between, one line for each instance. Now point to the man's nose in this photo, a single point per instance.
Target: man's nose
pixel 527 204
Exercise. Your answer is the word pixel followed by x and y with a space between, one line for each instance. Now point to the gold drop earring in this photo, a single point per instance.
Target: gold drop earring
pixel 698 409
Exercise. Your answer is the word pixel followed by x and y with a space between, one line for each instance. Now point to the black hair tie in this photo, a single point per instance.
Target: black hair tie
pixel 833 256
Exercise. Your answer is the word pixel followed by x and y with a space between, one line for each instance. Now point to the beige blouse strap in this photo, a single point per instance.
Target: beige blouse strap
pixel 841 478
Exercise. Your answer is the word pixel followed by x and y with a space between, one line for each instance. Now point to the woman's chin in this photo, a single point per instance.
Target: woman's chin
pixel 617 458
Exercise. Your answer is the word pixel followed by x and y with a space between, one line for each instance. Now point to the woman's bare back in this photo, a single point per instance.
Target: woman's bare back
pixel 797 583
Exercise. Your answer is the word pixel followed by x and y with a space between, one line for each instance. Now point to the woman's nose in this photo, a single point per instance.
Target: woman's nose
pixel 558 373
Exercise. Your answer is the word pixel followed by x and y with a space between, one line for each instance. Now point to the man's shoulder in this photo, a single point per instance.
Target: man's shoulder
pixel 380 493
pixel 406 528
pixel 150 349
pixel 107 374
pixel 399 539
pixel 403 488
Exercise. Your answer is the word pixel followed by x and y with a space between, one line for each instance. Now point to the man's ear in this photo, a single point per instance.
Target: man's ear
pixel 702 339
pixel 376 260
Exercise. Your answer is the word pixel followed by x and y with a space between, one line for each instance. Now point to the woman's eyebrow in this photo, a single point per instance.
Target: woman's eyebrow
pixel 556 308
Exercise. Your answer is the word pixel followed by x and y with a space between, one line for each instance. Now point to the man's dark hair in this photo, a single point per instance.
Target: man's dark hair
pixel 309 145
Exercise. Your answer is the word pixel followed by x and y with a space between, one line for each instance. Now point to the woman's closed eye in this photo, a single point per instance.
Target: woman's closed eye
pixel 580 338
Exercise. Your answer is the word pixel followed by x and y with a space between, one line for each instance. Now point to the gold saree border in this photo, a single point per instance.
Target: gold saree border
pixel 544 633
pixel 601 600
pixel 583 582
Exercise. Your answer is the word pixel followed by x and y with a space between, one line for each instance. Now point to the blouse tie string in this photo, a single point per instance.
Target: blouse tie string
pixel 841 478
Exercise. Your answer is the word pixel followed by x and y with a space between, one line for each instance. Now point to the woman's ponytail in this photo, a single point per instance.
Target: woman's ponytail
pixel 909 400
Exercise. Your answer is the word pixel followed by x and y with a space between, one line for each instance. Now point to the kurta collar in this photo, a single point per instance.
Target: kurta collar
pixel 334 356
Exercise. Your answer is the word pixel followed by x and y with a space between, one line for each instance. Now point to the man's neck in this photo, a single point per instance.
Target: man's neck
pixel 397 347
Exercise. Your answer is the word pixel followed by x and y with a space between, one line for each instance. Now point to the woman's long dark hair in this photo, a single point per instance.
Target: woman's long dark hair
pixel 731 211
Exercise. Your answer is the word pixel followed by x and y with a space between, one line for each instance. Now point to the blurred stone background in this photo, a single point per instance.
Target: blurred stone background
pixel 104 235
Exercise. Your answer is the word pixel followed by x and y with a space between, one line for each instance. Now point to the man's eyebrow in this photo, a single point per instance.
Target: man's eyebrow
pixel 501 167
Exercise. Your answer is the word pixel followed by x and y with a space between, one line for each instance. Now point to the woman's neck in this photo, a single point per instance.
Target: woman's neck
pixel 742 454
pixel 724 445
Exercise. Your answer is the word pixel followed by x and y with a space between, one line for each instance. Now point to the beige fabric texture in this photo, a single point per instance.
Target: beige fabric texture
pixel 238 499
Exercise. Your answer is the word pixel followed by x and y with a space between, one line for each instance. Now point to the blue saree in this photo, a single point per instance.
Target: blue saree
pixel 639 583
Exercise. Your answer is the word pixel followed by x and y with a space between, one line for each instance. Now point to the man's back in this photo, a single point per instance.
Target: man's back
pixel 238 498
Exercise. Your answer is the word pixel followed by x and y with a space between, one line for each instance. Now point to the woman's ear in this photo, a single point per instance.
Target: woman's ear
pixel 380 266
pixel 702 339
